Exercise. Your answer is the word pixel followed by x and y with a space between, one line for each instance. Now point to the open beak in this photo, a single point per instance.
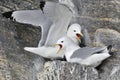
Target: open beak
pixel 79 35
pixel 60 47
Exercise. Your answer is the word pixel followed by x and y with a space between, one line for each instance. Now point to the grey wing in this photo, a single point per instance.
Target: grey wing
pixel 86 52
pixel 44 31
pixel 52 21
pixel 37 17
pixel 60 24
pixel 34 17
pixel 76 3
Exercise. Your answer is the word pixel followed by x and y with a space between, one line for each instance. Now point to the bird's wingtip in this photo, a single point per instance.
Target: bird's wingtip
pixel 8 14
pixel 27 48
pixel 30 48
pixel 109 47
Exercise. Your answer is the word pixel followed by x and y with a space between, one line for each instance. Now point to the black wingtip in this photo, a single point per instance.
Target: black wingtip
pixel 8 14
pixel 109 47
pixel 42 5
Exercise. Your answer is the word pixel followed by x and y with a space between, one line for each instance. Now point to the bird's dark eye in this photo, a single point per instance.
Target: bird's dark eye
pixel 74 30
pixel 62 41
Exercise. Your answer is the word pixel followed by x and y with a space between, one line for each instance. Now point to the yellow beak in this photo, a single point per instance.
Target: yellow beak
pixel 59 48
pixel 79 35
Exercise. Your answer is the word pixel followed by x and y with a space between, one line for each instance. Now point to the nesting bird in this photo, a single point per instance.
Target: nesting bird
pixel 90 56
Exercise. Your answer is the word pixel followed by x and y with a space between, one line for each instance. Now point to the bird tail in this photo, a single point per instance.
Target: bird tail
pixel 110 49
pixel 8 14
pixel 30 49
pixel 35 50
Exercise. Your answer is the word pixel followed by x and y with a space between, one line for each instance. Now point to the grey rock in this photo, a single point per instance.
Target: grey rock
pixel 115 73
pixel 8 5
pixel 58 70
pixel 15 63
pixel 95 14
pixel 87 40
pixel 107 37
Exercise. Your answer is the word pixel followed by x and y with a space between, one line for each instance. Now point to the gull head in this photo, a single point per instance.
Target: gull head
pixel 74 33
pixel 63 43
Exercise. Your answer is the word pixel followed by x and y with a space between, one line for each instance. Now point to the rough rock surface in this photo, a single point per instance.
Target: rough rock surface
pixel 58 70
pixel 17 64
pixel 107 37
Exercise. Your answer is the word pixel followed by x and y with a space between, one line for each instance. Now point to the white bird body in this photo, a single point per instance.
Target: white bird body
pixel 85 56
pixel 47 52
pixel 95 59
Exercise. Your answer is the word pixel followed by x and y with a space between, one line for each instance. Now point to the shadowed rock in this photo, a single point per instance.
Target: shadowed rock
pixel 15 63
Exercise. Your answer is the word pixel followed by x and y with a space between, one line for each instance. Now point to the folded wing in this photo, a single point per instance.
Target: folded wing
pixel 87 51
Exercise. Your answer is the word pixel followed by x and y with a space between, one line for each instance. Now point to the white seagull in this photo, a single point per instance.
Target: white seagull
pixel 89 56
pixel 74 33
pixel 53 18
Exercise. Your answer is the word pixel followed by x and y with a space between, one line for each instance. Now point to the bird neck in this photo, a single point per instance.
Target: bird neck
pixel 74 39
pixel 72 44
pixel 69 50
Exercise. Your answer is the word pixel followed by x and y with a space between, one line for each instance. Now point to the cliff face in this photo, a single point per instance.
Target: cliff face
pixel 17 64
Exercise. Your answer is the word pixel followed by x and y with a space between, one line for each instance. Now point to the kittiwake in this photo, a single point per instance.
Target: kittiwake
pixel 89 56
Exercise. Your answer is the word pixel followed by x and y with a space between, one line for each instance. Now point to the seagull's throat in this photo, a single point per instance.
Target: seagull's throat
pixel 78 36
pixel 60 47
